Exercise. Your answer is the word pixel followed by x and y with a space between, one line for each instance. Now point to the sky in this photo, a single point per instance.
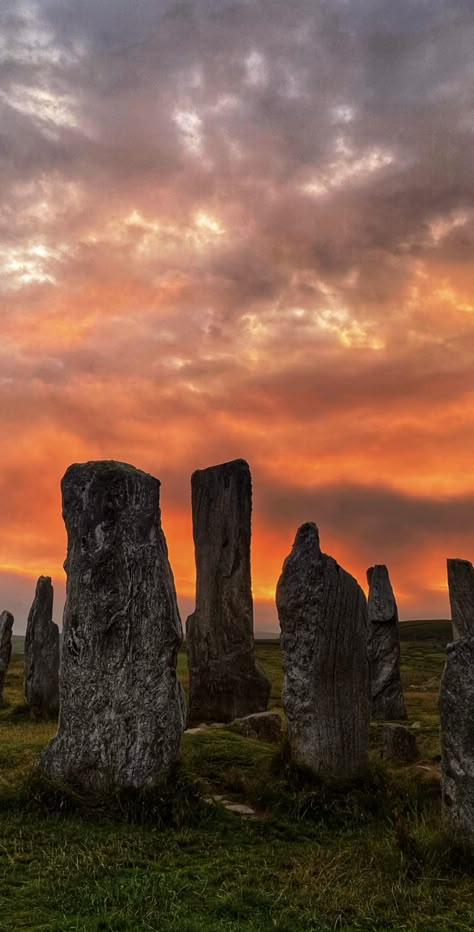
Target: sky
pixel 241 229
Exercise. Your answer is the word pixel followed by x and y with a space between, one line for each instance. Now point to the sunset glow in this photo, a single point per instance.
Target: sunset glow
pixel 241 230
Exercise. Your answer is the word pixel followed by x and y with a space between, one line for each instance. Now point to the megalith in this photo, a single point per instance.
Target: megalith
pixel 323 620
pixel 383 644
pixel 456 704
pixel 42 653
pixel 399 745
pixel 225 681
pixel 121 706
pixel 6 625
pixel 461 597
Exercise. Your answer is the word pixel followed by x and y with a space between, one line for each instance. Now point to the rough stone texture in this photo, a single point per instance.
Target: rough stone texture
pixel 122 707
pixel 456 703
pixel 323 619
pixel 461 597
pixel 399 744
pixel 42 653
pixel 6 625
pixel 266 726
pixel 224 679
pixel 383 645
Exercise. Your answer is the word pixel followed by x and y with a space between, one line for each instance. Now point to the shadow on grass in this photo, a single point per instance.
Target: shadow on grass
pixel 175 801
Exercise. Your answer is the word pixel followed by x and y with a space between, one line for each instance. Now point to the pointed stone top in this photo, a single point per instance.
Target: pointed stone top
pixel 379 571
pixel 382 606
pixel 461 597
pixel 307 535
pixel 43 582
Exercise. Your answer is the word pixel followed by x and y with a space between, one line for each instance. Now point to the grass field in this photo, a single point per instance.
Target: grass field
pixel 315 859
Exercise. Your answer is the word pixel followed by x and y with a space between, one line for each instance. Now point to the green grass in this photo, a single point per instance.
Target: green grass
pixel 370 856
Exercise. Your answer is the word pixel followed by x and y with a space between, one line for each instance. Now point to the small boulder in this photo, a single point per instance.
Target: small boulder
pixel 399 745
pixel 266 726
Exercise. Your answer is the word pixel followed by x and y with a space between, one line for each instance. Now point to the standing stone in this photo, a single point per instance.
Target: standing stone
pixel 383 645
pixel 6 625
pixel 121 706
pixel 323 619
pixel 456 707
pixel 224 679
pixel 399 745
pixel 42 654
pixel 461 597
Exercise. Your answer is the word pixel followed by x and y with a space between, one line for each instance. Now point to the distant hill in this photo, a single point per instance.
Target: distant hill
pixel 438 629
pixel 18 644
pixel 427 630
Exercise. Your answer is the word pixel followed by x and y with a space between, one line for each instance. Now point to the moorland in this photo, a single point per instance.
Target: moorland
pixel 314 857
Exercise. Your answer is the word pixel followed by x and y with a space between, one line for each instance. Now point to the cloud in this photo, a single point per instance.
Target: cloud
pixel 234 229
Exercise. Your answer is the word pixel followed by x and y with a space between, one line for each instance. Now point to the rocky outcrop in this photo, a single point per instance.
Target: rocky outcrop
pixel 122 708
pixel 461 597
pixel 42 654
pixel 383 645
pixel 399 745
pixel 6 625
pixel 224 679
pixel 266 726
pixel 323 619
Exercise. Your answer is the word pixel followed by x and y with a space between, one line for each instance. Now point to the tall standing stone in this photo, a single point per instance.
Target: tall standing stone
pixel 461 597
pixel 42 653
pixel 383 645
pixel 323 619
pixel 456 707
pixel 6 625
pixel 122 709
pixel 224 679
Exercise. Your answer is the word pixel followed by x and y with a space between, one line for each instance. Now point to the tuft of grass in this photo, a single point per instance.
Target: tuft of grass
pixel 174 801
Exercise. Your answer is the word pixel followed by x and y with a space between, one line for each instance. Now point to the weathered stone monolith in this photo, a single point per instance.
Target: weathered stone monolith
pixel 42 654
pixel 323 619
pixel 456 707
pixel 224 679
pixel 6 625
pixel 383 644
pixel 461 597
pixel 121 706
pixel 399 745
pixel 266 726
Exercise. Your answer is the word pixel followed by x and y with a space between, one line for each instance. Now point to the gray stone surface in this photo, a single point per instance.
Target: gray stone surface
pixel 399 745
pixel 225 681
pixel 122 707
pixel 42 653
pixel 323 619
pixel 6 625
pixel 266 726
pixel 383 644
pixel 461 597
pixel 456 704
